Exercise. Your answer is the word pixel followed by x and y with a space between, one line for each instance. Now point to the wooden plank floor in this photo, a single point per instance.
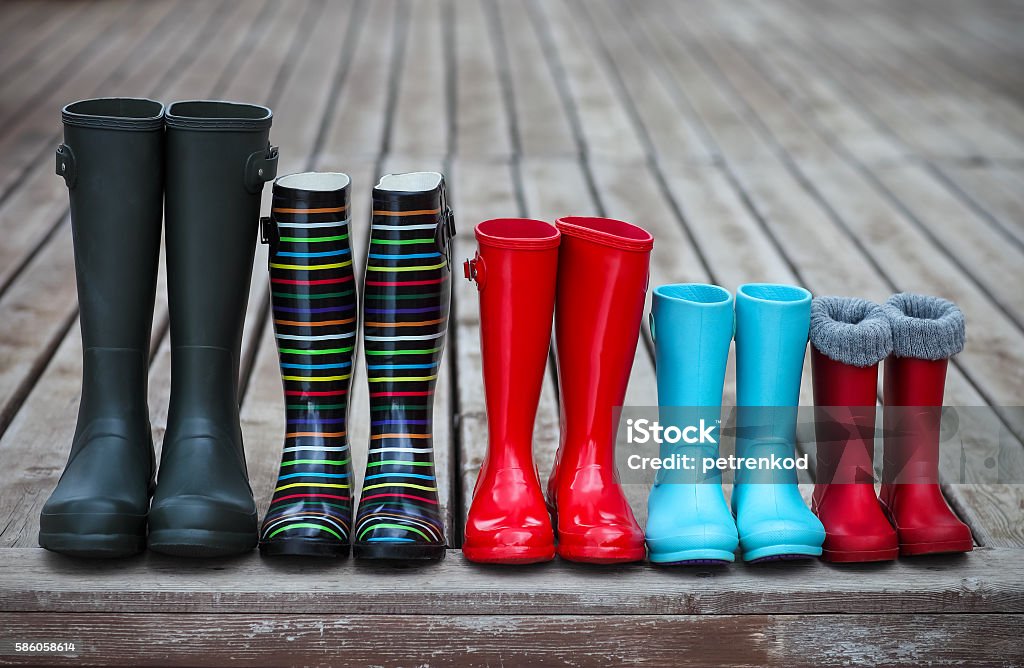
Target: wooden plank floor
pixel 853 148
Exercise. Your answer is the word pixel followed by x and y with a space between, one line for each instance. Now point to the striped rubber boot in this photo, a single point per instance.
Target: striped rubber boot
pixel 406 296
pixel 314 301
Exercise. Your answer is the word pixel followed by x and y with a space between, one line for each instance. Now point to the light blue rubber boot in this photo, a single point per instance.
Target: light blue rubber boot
pixel 688 519
pixel 772 323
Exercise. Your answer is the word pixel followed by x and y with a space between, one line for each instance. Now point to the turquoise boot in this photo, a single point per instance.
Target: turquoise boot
pixel 688 519
pixel 772 322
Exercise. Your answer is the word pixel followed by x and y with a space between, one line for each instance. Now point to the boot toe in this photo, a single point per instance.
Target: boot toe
pixel 192 525
pixel 93 527
pixel 602 544
pixel 781 538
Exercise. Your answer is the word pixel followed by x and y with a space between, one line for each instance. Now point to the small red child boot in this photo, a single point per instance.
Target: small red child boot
pixel 926 332
pixel 602 282
pixel 849 337
pixel 515 271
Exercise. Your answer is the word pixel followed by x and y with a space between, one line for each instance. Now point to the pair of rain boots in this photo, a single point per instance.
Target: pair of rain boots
pixel 589 275
pixel 406 294
pixel 915 335
pixel 689 520
pixel 125 161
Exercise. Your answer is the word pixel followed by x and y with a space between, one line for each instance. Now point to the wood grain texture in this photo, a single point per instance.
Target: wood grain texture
pixel 33 580
pixel 461 640
pixel 855 148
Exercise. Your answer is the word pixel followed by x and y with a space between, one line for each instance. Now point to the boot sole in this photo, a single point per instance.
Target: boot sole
pixel 508 555
pixel 398 551
pixel 299 547
pixel 601 555
pixel 201 543
pixel 699 557
pixel 859 556
pixel 781 553
pixel 944 547
pixel 93 546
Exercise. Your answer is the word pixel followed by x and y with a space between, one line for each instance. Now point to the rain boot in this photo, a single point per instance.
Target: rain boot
pixel 515 271
pixel 849 337
pixel 602 283
pixel 406 295
pixel 112 163
pixel 312 293
pixel 774 523
pixel 688 519
pixel 218 157
pixel 926 332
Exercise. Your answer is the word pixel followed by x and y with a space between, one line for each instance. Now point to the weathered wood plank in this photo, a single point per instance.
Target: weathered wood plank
pixel 997 192
pixel 543 128
pixel 421 124
pixel 461 640
pixel 358 124
pixel 604 129
pixel 985 581
pixel 481 119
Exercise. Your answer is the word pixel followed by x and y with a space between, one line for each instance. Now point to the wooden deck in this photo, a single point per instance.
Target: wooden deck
pixel 853 148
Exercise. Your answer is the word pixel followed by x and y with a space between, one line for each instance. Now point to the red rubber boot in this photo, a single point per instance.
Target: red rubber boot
pixel 926 332
pixel 602 281
pixel 849 337
pixel 515 270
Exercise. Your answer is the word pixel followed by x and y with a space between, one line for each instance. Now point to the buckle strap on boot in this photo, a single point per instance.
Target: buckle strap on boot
pixel 66 166
pixel 475 270
pixel 445 230
pixel 260 167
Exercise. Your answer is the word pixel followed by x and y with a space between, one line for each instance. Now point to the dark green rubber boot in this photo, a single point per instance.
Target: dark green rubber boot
pixel 218 158
pixel 112 161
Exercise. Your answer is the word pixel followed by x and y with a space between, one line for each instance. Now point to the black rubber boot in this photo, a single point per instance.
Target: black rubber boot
pixel 112 162
pixel 312 290
pixel 218 158
pixel 407 291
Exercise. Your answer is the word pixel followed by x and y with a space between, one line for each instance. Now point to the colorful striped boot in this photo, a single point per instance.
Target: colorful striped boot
pixel 314 300
pixel 406 296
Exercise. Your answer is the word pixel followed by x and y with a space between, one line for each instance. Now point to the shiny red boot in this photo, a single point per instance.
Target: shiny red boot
pixel 926 332
pixel 849 337
pixel 515 271
pixel 602 281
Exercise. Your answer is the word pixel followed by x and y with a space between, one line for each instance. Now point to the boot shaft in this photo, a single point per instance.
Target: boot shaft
pixel 515 270
pixel 772 323
pixel 112 163
pixel 603 267
pixel 407 292
pixel 849 337
pixel 926 331
pixel 218 157
pixel 692 326
pixel 314 310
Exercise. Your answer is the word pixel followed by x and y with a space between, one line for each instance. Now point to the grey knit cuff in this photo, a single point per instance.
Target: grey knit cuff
pixel 923 327
pixel 850 330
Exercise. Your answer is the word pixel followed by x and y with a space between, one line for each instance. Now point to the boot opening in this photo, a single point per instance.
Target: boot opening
pixel 517 233
pixel 607 231
pixel 925 327
pixel 315 181
pixel 411 182
pixel 217 115
pixel 771 292
pixel 850 330
pixel 698 293
pixel 125 113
